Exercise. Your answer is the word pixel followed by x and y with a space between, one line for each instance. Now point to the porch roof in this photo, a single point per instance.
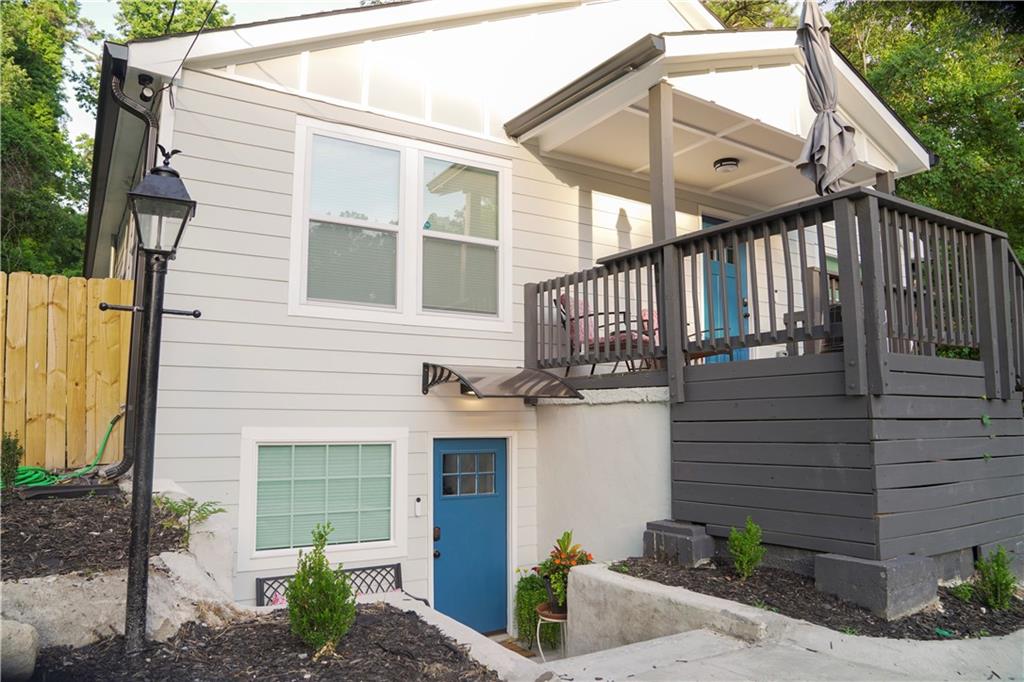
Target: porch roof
pixel 738 94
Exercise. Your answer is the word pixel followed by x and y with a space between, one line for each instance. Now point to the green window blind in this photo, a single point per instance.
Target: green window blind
pixel 299 486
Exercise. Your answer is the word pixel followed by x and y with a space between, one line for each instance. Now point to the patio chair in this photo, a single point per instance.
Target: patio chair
pixel 583 329
pixel 650 329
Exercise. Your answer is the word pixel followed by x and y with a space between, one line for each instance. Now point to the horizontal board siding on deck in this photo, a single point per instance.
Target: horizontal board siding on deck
pixel 822 407
pixel 841 504
pixel 934 449
pixel 805 478
pixel 778 431
pixel 952 539
pixel 917 522
pixel 820 544
pixel 846 455
pixel 935 473
pixel 897 500
pixel 815 524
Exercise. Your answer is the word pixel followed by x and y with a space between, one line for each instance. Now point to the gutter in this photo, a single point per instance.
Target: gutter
pixel 640 53
pixel 114 65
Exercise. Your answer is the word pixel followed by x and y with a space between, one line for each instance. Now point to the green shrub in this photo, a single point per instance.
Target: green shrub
pixel 321 604
pixel 996 582
pixel 530 592
pixel 10 459
pixel 746 549
pixel 964 592
pixel 186 513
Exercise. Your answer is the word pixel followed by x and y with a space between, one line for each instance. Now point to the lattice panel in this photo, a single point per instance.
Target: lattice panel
pixel 368 580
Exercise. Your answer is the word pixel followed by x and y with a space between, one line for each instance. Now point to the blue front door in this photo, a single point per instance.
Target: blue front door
pixel 470 531
pixel 735 266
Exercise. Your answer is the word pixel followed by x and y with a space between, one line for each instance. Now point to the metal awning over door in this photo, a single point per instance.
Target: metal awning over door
pixel 498 382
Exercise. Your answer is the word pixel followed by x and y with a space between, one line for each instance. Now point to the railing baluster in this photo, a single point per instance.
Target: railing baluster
pixel 965 276
pixel 909 286
pixel 695 295
pixel 648 328
pixel 805 285
pixel 940 287
pixel 723 292
pixel 633 325
pixel 769 266
pixel 679 254
pixel 740 268
pixel 629 301
pixel 899 290
pixel 957 291
pixel 790 317
pixel 754 299
pixel 948 291
pixel 890 305
pixel 919 288
pixel 823 272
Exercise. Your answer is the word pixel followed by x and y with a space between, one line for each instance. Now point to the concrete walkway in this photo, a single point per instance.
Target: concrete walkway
pixel 705 655
pixel 801 651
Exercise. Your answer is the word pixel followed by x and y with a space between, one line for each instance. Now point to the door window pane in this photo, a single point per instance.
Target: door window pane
pixel 460 199
pixel 353 180
pixel 352 264
pixel 459 276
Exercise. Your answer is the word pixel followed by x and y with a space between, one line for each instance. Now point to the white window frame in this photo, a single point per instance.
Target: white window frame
pixel 408 309
pixel 251 559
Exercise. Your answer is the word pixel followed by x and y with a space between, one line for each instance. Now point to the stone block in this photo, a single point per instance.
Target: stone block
pixel 685 543
pixel 1015 551
pixel 19 647
pixel 891 589
pixel 954 566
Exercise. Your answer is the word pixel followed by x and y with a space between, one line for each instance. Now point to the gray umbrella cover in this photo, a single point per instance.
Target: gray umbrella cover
pixel 829 150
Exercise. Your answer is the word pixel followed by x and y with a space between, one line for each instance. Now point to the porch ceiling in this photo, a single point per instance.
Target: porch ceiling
pixel 704 132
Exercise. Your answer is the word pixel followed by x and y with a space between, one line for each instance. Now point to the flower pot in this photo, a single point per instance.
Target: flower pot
pixel 552 599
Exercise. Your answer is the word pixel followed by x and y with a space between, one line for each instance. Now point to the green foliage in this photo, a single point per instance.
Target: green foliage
pixel 619 568
pixel 560 561
pixel 321 604
pixel 530 592
pixel 958 352
pixel 137 19
pixel 964 592
pixel 954 71
pixel 850 631
pixel 44 180
pixel 10 458
pixel 746 549
pixel 995 582
pixel 186 513
pixel 753 13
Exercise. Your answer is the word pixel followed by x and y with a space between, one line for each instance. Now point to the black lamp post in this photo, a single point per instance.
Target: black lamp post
pixel 161 207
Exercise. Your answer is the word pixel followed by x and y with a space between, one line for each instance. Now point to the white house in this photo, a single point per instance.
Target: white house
pixel 375 187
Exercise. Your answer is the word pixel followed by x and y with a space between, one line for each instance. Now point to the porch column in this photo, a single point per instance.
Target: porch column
pixel 663 181
pixel 886 182
pixel 663 226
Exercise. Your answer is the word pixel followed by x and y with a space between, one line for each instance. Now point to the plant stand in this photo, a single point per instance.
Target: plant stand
pixel 546 615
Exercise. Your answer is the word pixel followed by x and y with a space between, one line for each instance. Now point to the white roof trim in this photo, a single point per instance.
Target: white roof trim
pixel 162 56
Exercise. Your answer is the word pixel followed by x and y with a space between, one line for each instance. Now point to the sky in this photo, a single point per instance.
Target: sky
pixel 102 13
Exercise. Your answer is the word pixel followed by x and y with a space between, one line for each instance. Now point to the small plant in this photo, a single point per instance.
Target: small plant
pixel 560 561
pixel 186 513
pixel 850 631
pixel 746 549
pixel 530 592
pixel 321 604
pixel 995 582
pixel 619 568
pixel 10 458
pixel 964 592
pixel 764 606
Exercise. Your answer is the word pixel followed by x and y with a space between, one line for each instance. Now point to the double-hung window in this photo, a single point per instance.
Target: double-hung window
pixel 294 479
pixel 394 229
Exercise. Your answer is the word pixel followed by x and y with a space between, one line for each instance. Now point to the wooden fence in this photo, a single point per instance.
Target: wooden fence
pixel 63 365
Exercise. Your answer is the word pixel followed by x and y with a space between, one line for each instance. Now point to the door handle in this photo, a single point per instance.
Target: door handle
pixel 437 554
pixel 437 533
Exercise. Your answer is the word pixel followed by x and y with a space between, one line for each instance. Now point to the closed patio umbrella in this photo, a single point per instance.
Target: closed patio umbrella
pixel 829 151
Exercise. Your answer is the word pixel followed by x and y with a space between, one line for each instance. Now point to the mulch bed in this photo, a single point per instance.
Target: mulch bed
pixel 384 643
pixel 88 534
pixel 794 595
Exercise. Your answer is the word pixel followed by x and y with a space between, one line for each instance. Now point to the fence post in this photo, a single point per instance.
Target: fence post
pixel 530 323
pixel 876 349
pixel 1001 277
pixel 989 339
pixel 852 296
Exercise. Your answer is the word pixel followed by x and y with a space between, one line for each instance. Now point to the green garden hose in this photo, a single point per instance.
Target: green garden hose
pixel 32 477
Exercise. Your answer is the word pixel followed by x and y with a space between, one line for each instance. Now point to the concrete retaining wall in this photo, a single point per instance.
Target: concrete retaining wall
pixel 608 609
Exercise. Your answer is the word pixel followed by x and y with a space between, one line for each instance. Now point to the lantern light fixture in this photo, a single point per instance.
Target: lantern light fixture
pixel 161 208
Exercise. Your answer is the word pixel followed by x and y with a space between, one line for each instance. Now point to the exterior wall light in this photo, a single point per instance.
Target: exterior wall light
pixel 727 165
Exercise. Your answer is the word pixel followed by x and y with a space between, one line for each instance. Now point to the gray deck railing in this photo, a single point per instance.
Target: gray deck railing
pixel 807 278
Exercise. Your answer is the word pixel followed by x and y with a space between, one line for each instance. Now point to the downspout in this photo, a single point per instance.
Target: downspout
pixel 152 124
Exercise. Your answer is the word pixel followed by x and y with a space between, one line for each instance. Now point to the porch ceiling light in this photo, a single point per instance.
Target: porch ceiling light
pixel 727 165
pixel 161 207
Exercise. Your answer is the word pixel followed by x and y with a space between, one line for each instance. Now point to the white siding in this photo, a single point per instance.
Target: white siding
pixel 246 362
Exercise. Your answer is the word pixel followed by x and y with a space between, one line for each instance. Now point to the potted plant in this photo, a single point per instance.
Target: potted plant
pixel 555 569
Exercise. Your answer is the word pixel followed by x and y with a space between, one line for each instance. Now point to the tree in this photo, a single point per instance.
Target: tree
pixel 955 73
pixel 137 19
pixel 753 13
pixel 44 180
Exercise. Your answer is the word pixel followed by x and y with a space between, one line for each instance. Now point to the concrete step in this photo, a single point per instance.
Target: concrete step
pixel 643 660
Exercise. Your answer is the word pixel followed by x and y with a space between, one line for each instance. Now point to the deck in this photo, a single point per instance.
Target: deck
pixel 847 371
